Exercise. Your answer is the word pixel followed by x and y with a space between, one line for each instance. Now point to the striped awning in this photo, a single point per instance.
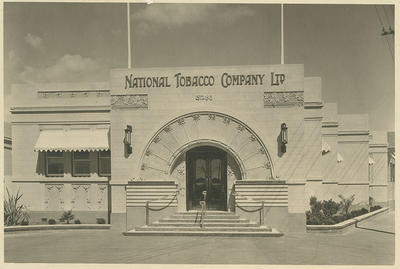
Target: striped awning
pixel 73 140
pixel 339 158
pixel 325 147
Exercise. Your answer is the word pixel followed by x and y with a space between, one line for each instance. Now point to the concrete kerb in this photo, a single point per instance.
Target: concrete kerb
pixel 56 227
pixel 338 227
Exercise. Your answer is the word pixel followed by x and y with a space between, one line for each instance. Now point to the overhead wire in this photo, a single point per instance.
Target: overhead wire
pixel 383 27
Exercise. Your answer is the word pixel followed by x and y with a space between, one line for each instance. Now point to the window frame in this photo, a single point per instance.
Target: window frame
pixel 73 160
pixel 99 172
pixel 54 157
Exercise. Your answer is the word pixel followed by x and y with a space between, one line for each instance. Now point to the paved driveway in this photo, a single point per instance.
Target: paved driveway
pixel 371 244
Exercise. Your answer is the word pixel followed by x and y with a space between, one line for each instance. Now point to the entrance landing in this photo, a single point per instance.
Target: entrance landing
pixel 215 223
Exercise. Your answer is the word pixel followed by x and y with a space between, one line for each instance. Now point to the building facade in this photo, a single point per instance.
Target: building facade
pixel 242 134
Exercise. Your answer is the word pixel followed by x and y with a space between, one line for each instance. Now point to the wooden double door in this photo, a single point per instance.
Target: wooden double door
pixel 206 171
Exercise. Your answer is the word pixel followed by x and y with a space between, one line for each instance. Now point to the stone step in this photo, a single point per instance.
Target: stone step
pixel 209 212
pixel 213 229
pixel 238 220
pixel 206 224
pixel 272 233
pixel 194 217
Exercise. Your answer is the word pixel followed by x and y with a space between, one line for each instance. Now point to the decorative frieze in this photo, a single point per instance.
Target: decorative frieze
pixel 273 99
pixel 73 94
pixel 130 100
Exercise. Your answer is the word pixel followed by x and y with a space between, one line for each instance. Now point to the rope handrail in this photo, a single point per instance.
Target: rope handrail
pixel 164 197
pixel 159 209
pixel 175 194
pixel 260 209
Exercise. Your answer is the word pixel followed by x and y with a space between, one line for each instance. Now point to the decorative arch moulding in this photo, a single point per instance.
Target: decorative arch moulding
pixel 183 133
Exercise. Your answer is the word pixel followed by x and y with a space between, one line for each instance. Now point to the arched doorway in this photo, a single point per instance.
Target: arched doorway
pixel 206 172
pixel 200 128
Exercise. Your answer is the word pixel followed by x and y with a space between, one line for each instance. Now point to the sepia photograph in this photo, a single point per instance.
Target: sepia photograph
pixel 199 133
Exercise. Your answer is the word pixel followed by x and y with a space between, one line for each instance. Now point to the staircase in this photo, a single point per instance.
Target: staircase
pixel 216 223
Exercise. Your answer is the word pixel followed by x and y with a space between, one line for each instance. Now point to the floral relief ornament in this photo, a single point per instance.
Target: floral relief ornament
pixel 272 99
pixel 132 100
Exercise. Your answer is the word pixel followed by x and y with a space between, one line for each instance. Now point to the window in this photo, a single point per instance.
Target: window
pixel 104 163
pixel 81 164
pixel 55 164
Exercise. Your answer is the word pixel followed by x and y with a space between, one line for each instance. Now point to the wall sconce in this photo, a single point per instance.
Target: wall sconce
pixel 128 139
pixel 284 137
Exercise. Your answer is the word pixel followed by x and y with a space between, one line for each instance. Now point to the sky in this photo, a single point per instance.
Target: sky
pixel 73 42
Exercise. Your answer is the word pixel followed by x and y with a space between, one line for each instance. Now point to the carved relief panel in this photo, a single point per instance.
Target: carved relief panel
pixel 53 197
pixel 80 197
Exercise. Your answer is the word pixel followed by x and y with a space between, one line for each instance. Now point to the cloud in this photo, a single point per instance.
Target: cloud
pixel 34 41
pixel 69 68
pixel 158 16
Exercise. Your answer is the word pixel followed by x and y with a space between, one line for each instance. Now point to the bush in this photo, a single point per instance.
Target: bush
pixel 77 221
pixel 25 222
pixel 330 208
pixel 356 213
pixel 14 213
pixel 100 221
pixel 52 221
pixel 345 205
pixel 322 212
pixel 339 218
pixel 376 207
pixel 67 216
pixel 330 212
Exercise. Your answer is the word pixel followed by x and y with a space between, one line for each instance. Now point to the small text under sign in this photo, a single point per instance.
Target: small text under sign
pixel 204 98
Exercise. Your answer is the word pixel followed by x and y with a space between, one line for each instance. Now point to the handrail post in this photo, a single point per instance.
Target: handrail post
pixel 147 213
pixel 262 213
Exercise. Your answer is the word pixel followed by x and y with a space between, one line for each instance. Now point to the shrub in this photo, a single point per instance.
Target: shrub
pixel 328 212
pixel 25 222
pixel 330 208
pixel 359 212
pixel 52 221
pixel 77 221
pixel 67 216
pixel 376 207
pixel 14 213
pixel 100 221
pixel 345 205
pixel 339 218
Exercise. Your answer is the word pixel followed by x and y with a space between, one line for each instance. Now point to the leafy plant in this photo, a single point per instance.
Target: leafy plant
pixel 100 221
pixel 376 207
pixel 77 221
pixel 330 208
pixel 345 204
pixel 356 213
pixel 67 216
pixel 14 213
pixel 330 212
pixel 52 221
